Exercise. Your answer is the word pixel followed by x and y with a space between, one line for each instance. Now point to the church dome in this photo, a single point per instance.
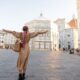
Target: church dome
pixel 41 17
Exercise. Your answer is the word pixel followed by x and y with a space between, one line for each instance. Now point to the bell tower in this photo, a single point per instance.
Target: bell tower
pixel 78 12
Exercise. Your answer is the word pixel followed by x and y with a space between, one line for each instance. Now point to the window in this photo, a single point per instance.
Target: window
pixel 68 35
pixel 68 42
pixel 42 45
pixel 36 44
pixel 47 45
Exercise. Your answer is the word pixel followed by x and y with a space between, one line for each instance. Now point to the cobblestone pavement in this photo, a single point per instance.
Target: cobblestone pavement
pixel 42 66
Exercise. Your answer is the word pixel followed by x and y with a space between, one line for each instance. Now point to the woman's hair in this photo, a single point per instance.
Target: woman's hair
pixel 25 28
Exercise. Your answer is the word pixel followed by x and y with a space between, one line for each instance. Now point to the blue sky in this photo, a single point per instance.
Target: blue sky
pixel 15 13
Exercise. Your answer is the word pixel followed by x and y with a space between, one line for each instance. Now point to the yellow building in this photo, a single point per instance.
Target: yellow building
pixel 78 12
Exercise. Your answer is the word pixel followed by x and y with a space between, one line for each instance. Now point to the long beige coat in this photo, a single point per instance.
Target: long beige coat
pixel 24 52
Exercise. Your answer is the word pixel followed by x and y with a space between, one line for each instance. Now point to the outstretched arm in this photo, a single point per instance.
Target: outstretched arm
pixel 8 31
pixel 16 34
pixel 34 34
pixel 43 32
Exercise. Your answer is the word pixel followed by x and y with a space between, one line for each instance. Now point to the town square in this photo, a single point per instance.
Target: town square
pixel 48 33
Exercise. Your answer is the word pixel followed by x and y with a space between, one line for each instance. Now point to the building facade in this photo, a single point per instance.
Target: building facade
pixel 9 39
pixel 78 12
pixel 43 41
pixel 6 38
pixel 61 26
pixel 68 34
pixel 70 38
pixel 2 39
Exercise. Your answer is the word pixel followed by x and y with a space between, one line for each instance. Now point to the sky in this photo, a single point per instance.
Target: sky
pixel 15 13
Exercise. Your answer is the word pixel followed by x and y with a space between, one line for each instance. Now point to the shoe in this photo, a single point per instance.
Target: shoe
pixel 20 77
pixel 23 75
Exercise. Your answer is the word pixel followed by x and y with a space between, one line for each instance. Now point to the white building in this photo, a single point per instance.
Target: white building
pixel 43 41
pixel 55 37
pixel 6 38
pixel 2 39
pixel 9 39
pixel 73 33
pixel 71 38
pixel 68 34
pixel 61 26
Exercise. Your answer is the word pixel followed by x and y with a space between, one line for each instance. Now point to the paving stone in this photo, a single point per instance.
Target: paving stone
pixel 43 65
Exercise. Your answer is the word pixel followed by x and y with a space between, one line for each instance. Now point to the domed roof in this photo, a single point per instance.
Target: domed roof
pixel 41 17
pixel 73 23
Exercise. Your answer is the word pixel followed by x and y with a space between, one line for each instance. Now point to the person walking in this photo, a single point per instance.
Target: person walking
pixel 24 52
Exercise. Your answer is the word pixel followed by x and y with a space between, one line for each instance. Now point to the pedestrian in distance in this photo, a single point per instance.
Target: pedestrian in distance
pixel 24 52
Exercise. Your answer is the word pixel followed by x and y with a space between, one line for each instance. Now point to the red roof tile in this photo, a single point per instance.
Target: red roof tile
pixel 73 23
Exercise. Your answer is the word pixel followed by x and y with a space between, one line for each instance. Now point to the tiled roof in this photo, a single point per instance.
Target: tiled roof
pixel 73 23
